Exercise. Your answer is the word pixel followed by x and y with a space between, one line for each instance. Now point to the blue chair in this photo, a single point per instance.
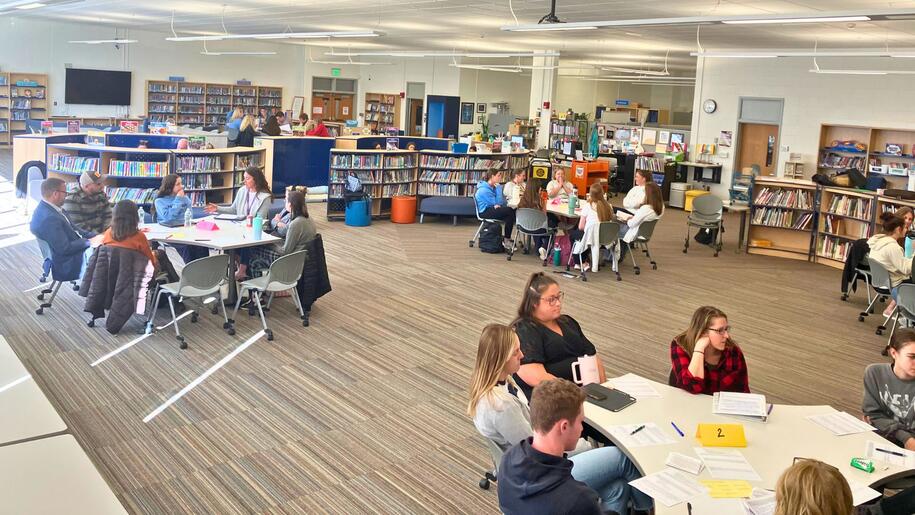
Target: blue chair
pixel 358 213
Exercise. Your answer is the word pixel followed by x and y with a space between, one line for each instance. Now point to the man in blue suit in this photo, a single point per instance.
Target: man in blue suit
pixel 70 248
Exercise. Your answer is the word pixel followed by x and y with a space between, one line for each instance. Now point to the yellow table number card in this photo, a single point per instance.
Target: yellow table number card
pixel 721 435
pixel 727 488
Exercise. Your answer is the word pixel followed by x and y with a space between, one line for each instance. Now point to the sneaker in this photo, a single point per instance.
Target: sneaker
pixel 577 267
pixel 542 252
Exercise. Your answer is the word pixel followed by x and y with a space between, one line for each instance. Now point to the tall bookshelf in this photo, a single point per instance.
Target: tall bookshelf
pixel 447 174
pixel 201 103
pixel 845 216
pixel 782 218
pixel 563 131
pixel 27 99
pixel 384 175
pixel 382 111
pixel 5 137
pixel 208 175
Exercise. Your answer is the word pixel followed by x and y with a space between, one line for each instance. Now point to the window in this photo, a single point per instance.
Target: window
pixel 333 85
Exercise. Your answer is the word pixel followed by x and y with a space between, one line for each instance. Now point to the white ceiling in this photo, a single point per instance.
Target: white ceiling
pixel 474 25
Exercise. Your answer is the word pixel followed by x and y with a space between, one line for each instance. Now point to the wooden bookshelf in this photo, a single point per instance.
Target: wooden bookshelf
pixel 382 111
pixel 564 131
pixel 448 174
pixel 201 103
pixel 208 175
pixel 845 215
pixel 783 213
pixel 871 157
pixel 26 98
pixel 384 174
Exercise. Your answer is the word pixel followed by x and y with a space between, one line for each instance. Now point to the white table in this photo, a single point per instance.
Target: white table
pixel 771 446
pixel 25 412
pixel 231 236
pixel 562 209
pixel 53 475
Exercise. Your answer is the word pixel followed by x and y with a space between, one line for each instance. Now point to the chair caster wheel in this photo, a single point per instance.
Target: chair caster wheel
pixel 181 343
pixel 214 310
pixel 226 325
pixel 860 318
pixel 39 311
pixel 684 251
pixel 194 318
pixel 91 323
pixel 484 484
pixel 654 267
pixel 471 243
pixel 844 297
pixel 508 257
pixel 879 331
pixel 618 278
pixel 269 334
pixel 637 271
pixel 41 296
pixel 584 279
pixel 230 331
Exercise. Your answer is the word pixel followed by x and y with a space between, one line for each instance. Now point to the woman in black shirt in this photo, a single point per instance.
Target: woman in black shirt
pixel 550 341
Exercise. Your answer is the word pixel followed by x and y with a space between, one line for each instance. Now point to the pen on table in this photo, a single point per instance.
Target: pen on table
pixel 677 429
pixel 636 430
pixel 769 411
pixel 201 240
pixel 169 236
pixel 887 451
pixel 689 508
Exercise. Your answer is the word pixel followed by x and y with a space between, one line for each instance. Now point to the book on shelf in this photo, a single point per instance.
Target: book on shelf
pixel 197 164
pixel 391 190
pixel 837 225
pixel 366 161
pixel 138 195
pixel 398 175
pixel 457 177
pixel 777 197
pixel 76 164
pixel 782 218
pixel 441 190
pixel 198 198
pixel 833 248
pixel 402 161
pixel 138 168
pixel 850 206
pixel 243 161
pixel 834 160
pixel 198 181
pixel 444 162
pixel 365 176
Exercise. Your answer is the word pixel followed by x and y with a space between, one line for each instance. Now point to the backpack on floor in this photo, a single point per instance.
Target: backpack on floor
pixel 706 236
pixel 491 238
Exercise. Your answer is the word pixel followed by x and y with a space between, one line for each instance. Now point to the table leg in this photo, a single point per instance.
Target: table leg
pixel 742 235
pixel 233 289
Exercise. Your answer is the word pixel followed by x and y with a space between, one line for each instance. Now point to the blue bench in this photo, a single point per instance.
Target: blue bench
pixel 447 206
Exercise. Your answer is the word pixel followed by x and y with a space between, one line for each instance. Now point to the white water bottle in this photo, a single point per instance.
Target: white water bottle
pixel 188 217
pixel 142 214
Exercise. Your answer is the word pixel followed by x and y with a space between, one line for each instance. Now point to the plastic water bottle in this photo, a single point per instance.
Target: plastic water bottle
pixel 573 201
pixel 257 228
pixel 908 247
pixel 188 217
pixel 142 214
pixel 557 254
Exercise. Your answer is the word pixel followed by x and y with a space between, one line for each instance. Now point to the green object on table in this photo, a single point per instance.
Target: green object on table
pixel 573 202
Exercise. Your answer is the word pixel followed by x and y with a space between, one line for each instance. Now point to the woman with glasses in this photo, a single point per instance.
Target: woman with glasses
pixel 550 341
pixel 704 358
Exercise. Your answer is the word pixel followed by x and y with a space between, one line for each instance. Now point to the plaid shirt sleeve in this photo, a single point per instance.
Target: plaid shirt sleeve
pixel 679 362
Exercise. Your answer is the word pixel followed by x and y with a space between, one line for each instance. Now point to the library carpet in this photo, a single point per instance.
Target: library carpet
pixel 364 411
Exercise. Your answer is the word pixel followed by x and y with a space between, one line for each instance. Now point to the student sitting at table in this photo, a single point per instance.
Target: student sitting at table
pixel 812 487
pixel 550 341
pixel 594 211
pixel 531 199
pixel 124 231
pixel 889 392
pixel 299 232
pixel 252 198
pixel 636 196
pixel 559 187
pixel 886 250
pixel 491 203
pixel 704 359
pixel 501 414
pixel 171 202
pixel 514 189
pixel 650 210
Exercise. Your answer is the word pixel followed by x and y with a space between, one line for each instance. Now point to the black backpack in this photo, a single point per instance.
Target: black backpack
pixel 706 236
pixel 491 238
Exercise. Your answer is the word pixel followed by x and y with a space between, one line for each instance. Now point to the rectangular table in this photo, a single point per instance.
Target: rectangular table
pixel 24 410
pixel 771 446
pixel 53 475
pixel 229 238
pixel 562 209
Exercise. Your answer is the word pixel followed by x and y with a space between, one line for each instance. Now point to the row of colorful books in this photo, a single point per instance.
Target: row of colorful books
pixel 442 190
pixel 797 199
pixel 451 177
pixel 138 168
pixel 138 195
pixel 366 176
pixel 846 227
pixel 774 217
pixel 391 190
pixel 833 248
pixel 399 175
pixel 197 164
pixel 67 163
pixel 850 206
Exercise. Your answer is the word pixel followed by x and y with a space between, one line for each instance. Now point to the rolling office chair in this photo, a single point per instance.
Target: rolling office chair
pixel 55 285
pixel 283 275
pixel 883 286
pixel 708 212
pixel 646 229
pixel 532 222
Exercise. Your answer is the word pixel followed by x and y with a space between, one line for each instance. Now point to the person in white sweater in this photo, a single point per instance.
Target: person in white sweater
pixel 514 189
pixel 636 196
pixel 652 209
pixel 886 250
pixel 500 413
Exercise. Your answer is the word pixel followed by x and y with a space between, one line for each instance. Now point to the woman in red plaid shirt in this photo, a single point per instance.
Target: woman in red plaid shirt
pixel 704 359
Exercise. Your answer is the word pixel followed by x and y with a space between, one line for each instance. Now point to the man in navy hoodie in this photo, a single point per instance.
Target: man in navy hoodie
pixel 535 477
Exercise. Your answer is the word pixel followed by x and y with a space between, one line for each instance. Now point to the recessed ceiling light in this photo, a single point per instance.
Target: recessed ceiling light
pixel 33 5
pixel 102 41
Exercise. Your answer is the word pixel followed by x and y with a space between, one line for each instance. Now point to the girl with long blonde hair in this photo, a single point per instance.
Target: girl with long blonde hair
pixel 501 414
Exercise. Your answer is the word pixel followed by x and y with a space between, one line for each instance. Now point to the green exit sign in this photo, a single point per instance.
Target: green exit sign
pixel 335 72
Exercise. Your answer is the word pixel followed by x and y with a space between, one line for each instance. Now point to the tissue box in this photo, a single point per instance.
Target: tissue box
pixel 206 225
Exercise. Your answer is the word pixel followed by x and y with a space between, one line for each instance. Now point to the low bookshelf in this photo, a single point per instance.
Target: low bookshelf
pixel 845 215
pixel 384 175
pixel 782 218
pixel 130 173
pixel 448 174
pixel 23 97
pixel 872 151
pixel 211 175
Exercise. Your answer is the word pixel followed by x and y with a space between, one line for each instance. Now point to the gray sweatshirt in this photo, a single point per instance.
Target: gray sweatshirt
pixel 889 402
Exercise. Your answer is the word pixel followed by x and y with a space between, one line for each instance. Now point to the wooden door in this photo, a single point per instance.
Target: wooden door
pixel 415 117
pixel 758 145
pixel 345 108
pixel 320 105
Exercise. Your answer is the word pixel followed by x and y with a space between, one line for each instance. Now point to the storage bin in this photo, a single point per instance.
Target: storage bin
pixel 690 196
pixel 678 194
pixel 358 213
pixel 403 209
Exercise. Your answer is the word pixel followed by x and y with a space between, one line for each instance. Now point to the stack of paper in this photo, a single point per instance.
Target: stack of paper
pixel 727 464
pixel 761 502
pixel 684 463
pixel 751 405
pixel 668 487
pixel 636 386
pixel 841 423
pixel 640 435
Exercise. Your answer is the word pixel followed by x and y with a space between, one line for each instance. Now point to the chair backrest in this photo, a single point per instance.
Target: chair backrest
pixel 880 277
pixel 528 219
pixel 285 272
pixel 905 298
pixel 33 184
pixel 708 205
pixel 608 232
pixel 646 229
pixel 44 248
pixel 207 273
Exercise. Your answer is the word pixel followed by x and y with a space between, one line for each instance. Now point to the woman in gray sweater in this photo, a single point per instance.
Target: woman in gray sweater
pixel 889 392
pixel 500 413
pixel 300 230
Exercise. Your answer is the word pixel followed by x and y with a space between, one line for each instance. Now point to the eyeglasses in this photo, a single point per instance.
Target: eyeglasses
pixel 722 330
pixel 555 299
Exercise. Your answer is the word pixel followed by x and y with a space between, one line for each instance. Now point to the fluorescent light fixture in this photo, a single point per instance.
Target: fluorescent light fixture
pixel 734 55
pixel 355 63
pixel 211 52
pixel 642 77
pixel 431 53
pixel 632 70
pixel 33 5
pixel 812 17
pixel 827 19
pixel 279 35
pixel 514 69
pixel 847 72
pixel 103 41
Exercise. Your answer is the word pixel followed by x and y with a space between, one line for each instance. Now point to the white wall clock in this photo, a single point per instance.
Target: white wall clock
pixel 709 106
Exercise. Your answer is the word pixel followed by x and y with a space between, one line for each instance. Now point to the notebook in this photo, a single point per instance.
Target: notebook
pixel 613 400
pixel 749 405
pixel 230 217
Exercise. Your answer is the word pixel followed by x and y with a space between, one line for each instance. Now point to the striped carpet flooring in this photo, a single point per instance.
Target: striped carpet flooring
pixel 363 412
